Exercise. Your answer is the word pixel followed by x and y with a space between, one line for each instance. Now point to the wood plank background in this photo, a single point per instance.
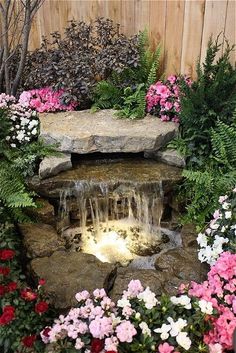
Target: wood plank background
pixel 183 27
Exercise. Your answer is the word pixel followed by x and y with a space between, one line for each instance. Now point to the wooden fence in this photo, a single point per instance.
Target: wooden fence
pixel 183 27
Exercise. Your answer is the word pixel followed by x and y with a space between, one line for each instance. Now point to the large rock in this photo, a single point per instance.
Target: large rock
pixel 53 165
pixel 84 132
pixel 40 239
pixel 43 213
pixel 180 265
pixel 67 273
pixel 149 278
pixel 168 156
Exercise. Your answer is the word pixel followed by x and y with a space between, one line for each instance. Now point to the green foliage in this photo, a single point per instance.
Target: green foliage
pixel 212 97
pixel 15 165
pixel 203 187
pixel 127 89
pixel 106 95
pixel 134 104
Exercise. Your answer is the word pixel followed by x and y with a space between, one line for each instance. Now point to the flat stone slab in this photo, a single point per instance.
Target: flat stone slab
pixel 86 132
pixel 53 165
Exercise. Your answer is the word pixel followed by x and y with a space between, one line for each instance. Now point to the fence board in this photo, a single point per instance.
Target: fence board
pixel 182 26
pixel 192 35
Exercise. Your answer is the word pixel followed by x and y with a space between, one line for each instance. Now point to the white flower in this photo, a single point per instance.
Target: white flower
pixel 145 329
pixel 164 331
pixel 228 214
pixel 222 198
pixel 34 131
pixel 202 239
pixel 226 205
pixel 121 303
pixel 214 225
pixel 182 300
pixel 205 306
pixel 183 340
pixel 8 138
pixel 137 316
pixel 148 297
pixel 13 145
pixel 176 326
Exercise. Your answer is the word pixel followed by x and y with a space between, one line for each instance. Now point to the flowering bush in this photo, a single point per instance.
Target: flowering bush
pixel 220 235
pixel 137 323
pixel 23 311
pixel 163 99
pixel 219 290
pixel 46 100
pixel 24 121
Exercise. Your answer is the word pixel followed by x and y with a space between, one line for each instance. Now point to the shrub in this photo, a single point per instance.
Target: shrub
pixel 23 310
pixel 46 100
pixel 138 323
pixel 211 98
pixel 85 55
pixel 126 90
pixel 220 235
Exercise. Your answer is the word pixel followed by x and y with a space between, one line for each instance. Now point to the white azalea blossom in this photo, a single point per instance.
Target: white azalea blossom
pixel 164 331
pixel 183 340
pixel 145 329
pixel 183 300
pixel 148 297
pixel 205 306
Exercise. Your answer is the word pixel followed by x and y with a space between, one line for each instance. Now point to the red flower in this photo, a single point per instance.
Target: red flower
pixel 7 254
pixel 8 315
pixel 2 290
pixel 4 271
pixel 42 282
pixel 41 307
pixel 11 287
pixel 28 295
pixel 28 341
pixel 96 345
pixel 112 352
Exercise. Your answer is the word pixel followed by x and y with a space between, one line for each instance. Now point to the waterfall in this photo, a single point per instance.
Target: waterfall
pixel 97 205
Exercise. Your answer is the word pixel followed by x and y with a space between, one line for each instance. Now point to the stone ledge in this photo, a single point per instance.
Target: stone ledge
pixel 83 132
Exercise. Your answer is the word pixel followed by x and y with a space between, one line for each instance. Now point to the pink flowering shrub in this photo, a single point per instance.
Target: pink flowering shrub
pixel 46 100
pixel 220 291
pixel 23 120
pixel 163 99
pixel 138 322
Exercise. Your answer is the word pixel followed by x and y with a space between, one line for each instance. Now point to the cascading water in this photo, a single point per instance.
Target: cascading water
pixel 126 218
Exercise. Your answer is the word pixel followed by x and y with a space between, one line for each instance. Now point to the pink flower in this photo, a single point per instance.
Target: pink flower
pixel 168 105
pixel 101 327
pixel 165 348
pixel 134 288
pixel 125 331
pixel 215 348
pixel 172 79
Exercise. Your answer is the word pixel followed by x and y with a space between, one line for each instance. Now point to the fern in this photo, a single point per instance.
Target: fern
pixel 106 95
pixel 134 103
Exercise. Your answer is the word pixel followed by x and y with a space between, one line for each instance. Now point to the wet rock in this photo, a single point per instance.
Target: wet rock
pixel 43 213
pixel 54 165
pixel 181 264
pixel 189 236
pixel 40 239
pixel 67 273
pixel 84 132
pixel 150 278
pixel 168 156
pixel 143 175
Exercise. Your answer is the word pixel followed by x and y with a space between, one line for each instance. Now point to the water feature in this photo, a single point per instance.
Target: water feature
pixel 114 209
